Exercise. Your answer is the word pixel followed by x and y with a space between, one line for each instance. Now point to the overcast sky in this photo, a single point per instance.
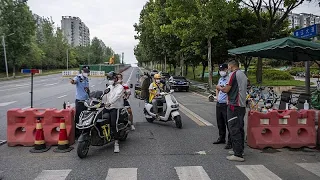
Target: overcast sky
pixel 111 20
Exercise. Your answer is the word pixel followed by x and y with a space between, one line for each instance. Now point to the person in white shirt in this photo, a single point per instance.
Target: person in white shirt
pixel 113 103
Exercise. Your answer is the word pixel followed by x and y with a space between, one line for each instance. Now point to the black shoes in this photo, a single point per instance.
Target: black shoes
pixel 220 141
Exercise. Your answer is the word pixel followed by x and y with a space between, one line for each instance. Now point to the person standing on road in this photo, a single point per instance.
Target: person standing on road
pixel 127 93
pixel 82 93
pixel 114 102
pixel 236 89
pixel 221 108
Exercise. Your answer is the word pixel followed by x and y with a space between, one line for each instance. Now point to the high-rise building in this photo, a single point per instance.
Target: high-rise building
pixel 75 31
pixel 302 20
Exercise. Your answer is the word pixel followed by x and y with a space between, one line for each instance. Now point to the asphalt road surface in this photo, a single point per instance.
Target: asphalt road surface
pixel 154 151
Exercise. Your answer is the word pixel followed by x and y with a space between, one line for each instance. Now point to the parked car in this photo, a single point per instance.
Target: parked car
pixel 179 83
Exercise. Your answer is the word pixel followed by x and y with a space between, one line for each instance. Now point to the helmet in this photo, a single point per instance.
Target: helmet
pixel 157 76
pixel 112 75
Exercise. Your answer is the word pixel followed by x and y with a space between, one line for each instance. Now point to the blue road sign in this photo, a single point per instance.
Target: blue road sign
pixel 308 32
pixel 28 71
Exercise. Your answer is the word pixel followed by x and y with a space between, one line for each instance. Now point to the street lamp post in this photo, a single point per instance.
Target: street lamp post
pixel 67 59
pixel 5 53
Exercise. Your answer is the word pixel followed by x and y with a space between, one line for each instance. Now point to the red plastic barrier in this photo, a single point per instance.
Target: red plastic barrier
pixel 21 125
pixel 281 129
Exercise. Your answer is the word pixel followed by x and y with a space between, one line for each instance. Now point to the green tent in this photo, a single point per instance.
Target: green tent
pixel 289 48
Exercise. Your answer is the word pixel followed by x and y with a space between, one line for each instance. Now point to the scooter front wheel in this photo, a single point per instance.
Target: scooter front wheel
pixel 83 149
pixel 178 121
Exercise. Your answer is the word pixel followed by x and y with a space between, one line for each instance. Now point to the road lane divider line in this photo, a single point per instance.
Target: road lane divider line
pixel 93 85
pixel 129 79
pixel 311 167
pixel 195 117
pixel 51 84
pixel 62 96
pixel 260 172
pixel 191 173
pixel 122 174
pixel 53 174
pixel 7 103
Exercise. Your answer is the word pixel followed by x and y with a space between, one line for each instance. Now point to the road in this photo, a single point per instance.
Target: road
pixel 155 151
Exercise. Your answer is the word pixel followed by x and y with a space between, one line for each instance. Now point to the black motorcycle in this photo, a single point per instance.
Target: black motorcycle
pixel 96 131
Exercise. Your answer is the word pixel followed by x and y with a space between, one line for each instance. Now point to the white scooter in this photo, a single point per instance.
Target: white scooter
pixel 170 113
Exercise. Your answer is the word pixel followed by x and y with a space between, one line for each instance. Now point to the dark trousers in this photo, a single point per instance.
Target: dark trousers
pixel 113 120
pixel 79 108
pixel 235 116
pixel 221 111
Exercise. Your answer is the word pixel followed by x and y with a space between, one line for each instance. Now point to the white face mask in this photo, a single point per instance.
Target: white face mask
pixel 223 73
pixel 85 74
pixel 158 80
pixel 111 82
pixel 120 81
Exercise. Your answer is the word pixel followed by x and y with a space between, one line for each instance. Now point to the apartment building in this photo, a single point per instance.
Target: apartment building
pixel 302 20
pixel 75 31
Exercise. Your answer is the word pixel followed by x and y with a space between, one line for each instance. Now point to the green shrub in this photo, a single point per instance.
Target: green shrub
pixel 272 74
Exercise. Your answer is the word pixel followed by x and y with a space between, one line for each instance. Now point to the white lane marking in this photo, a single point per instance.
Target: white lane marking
pixel 53 174
pixel 122 174
pixel 312 167
pixel 26 108
pixel 93 85
pixel 192 173
pixel 62 96
pixel 50 84
pixel 188 112
pixel 6 103
pixel 254 172
pixel 129 79
pixel 19 85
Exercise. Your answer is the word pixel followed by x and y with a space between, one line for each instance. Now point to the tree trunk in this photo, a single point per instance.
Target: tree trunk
pixel 181 66
pixel 14 71
pixel 170 67
pixel 165 63
pixel 259 71
pixel 209 63
pixel 186 69
pixel 193 70
pixel 204 65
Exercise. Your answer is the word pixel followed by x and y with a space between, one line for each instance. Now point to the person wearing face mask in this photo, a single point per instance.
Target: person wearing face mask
pixel 113 103
pixel 236 89
pixel 221 108
pixel 127 93
pixel 82 93
pixel 154 89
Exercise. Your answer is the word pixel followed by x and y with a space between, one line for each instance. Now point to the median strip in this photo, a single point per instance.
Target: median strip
pixel 193 116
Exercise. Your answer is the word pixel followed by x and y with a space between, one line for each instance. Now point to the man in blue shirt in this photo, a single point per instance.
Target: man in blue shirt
pixel 221 108
pixel 82 92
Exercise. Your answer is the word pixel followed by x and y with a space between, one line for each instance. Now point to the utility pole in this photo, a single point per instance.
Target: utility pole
pixel 122 57
pixel 5 55
pixel 67 59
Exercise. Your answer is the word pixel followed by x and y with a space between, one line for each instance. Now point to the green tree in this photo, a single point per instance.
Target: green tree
pixel 16 19
pixel 273 22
